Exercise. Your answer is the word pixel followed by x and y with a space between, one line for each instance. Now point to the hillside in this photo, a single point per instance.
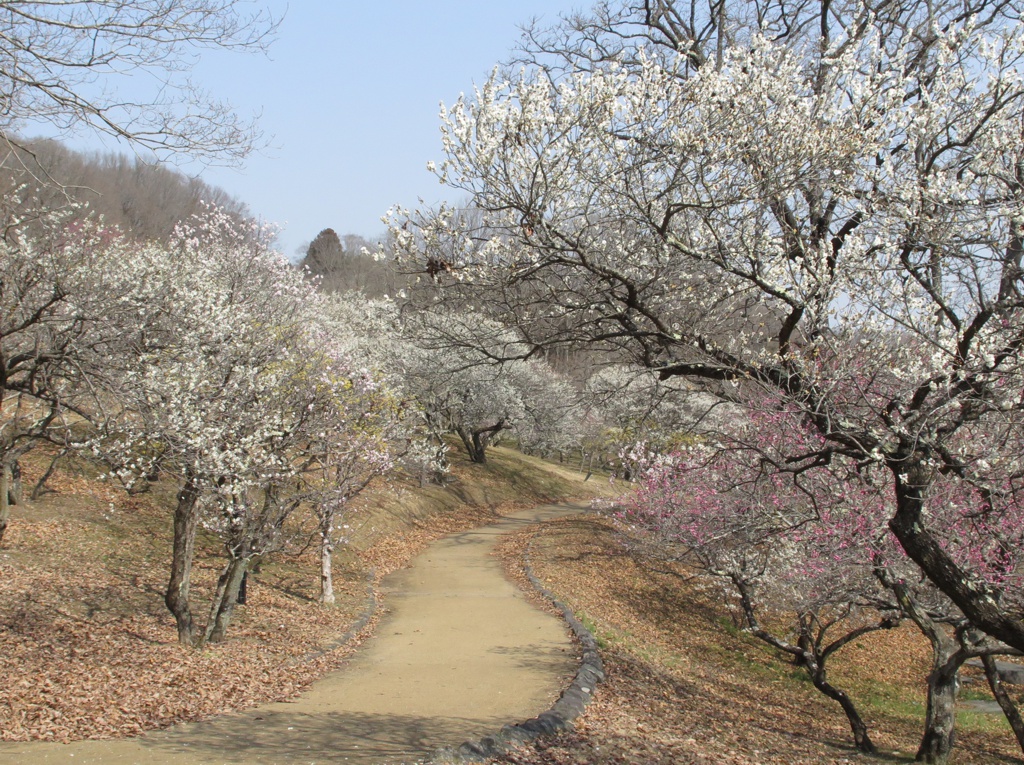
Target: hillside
pixel 87 648
pixel 687 686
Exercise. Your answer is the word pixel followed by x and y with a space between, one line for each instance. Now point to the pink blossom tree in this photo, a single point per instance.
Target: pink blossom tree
pixel 812 537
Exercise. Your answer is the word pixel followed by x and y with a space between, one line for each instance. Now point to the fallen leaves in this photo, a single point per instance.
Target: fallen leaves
pixel 88 650
pixel 685 686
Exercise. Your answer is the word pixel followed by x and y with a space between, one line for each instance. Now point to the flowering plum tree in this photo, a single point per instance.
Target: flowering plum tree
pixel 463 392
pixel 61 283
pixel 822 200
pixel 228 383
pixel 774 544
pixel 644 415
pixel 361 427
pixel 813 538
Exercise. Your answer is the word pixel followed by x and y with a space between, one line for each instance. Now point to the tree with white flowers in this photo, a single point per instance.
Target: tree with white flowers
pixel 61 290
pixel 228 383
pixel 823 201
pixel 463 392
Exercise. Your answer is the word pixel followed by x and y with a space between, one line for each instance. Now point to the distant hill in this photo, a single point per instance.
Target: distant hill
pixel 146 200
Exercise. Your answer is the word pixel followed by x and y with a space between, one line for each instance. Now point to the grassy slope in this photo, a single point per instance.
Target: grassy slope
pixel 87 648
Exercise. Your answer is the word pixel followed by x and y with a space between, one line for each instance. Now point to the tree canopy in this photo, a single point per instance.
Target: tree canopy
pixel 822 201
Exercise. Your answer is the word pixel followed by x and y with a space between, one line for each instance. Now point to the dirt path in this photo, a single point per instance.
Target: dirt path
pixel 459 653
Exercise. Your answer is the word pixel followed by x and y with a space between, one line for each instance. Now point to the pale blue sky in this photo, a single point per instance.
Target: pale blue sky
pixel 349 96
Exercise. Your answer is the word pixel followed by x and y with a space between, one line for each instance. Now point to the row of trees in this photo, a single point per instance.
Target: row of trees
pixel 208 360
pixel 188 351
pixel 445 359
pixel 814 209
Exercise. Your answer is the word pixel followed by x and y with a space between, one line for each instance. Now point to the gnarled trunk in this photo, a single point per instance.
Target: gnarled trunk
pixel 477 441
pixel 940 715
pixel 809 654
pixel 857 725
pixel 912 480
pixel 177 597
pixel 943 681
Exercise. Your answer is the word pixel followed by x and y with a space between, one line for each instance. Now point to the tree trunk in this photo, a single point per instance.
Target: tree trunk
pixel 479 454
pixel 470 443
pixel 860 730
pixel 908 524
pixel 807 653
pixel 186 521
pixel 326 571
pixel 37 490
pixel 224 601
pixel 14 484
pixel 5 509
pixel 940 716
pixel 1005 702
pixel 943 681
pixel 476 450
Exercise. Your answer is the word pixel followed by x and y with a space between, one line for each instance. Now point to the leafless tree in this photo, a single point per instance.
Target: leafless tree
pixel 144 199
pixel 61 63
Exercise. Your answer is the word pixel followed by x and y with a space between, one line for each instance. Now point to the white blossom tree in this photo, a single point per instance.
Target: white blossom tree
pixel 823 200
pixel 61 288
pixel 464 392
pixel 644 415
pixel 228 383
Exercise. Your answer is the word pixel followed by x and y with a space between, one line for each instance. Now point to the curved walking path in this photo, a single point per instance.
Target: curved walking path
pixel 459 653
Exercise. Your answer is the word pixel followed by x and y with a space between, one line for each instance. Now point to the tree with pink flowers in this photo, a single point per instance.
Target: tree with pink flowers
pixel 812 539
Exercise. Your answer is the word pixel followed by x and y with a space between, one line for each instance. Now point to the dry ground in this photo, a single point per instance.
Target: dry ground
pixel 686 686
pixel 87 649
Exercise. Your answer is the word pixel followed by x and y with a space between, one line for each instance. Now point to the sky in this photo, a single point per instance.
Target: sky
pixel 348 97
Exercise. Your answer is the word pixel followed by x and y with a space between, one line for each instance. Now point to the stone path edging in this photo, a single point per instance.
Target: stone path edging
pixel 569 706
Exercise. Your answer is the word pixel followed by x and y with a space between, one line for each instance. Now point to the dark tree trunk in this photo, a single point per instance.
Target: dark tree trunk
pixel 940 715
pixel 981 607
pixel 14 487
pixel 186 521
pixel 809 654
pixel 224 601
pixel 469 440
pixel 37 490
pixel 860 730
pixel 479 454
pixel 943 681
pixel 477 441
pixel 1005 702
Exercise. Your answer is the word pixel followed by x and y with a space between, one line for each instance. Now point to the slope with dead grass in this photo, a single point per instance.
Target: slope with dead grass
pixel 685 685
